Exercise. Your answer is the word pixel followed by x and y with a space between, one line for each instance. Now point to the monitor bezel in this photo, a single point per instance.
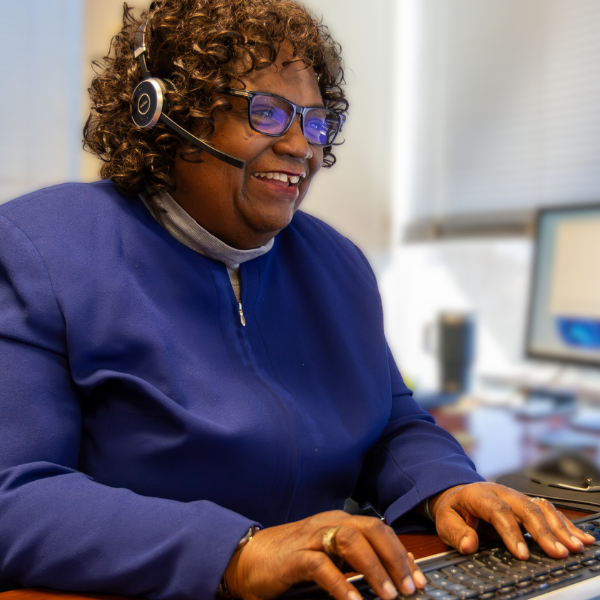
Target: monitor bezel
pixel 534 271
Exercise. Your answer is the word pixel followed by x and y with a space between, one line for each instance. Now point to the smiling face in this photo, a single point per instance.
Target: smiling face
pixel 247 207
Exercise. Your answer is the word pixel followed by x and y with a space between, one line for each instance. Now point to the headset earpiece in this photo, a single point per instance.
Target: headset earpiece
pixel 150 104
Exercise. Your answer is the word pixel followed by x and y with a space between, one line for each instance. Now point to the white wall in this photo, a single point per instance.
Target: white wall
pixel 40 44
pixel 355 196
pixel 102 19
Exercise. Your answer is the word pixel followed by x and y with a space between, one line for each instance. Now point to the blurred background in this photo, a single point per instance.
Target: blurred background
pixel 466 119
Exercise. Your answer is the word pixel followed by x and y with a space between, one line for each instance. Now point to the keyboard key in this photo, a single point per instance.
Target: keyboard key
pixel 571 562
pixel 595 522
pixel 467 594
pixel 591 552
pixel 460 577
pixel 499 580
pixel 468 566
pixel 451 571
pixel 439 594
pixel 505 591
pixel 461 591
pixel 493 563
pixel 480 585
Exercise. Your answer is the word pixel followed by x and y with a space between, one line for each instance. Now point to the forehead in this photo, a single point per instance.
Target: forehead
pixel 287 77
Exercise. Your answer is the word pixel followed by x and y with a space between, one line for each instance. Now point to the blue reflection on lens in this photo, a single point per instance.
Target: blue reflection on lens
pixel 267 116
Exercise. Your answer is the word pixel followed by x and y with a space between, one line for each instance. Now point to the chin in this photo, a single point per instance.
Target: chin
pixel 271 222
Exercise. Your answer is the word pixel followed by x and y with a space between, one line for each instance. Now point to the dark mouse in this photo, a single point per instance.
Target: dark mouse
pixel 567 470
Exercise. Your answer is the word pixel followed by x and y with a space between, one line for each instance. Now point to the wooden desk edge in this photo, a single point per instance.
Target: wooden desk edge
pixel 420 544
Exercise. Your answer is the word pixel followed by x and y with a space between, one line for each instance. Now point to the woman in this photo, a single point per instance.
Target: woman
pixel 194 375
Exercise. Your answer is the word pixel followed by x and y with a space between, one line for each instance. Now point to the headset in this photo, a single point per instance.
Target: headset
pixel 149 104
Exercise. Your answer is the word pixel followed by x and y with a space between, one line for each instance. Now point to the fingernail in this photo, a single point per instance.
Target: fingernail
pixel 390 591
pixel 461 544
pixel 408 585
pixel 577 542
pixel 561 549
pixel 419 579
pixel 523 550
pixel 411 555
pixel 352 595
pixel 590 537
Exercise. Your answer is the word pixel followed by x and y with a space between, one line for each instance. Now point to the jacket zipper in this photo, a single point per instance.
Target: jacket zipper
pixel 242 317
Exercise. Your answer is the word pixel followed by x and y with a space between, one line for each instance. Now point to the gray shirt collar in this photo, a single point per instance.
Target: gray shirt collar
pixel 189 232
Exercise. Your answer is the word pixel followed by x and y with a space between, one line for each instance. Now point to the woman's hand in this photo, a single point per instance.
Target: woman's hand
pixel 278 557
pixel 457 512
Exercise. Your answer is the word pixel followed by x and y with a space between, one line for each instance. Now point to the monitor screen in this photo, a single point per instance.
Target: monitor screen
pixel 564 314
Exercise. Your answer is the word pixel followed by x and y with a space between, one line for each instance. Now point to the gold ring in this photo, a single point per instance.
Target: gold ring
pixel 329 541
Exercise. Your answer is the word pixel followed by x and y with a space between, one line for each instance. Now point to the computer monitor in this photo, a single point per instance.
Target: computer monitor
pixel 564 311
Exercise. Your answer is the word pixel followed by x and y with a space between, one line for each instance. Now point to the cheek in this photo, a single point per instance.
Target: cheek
pixel 316 162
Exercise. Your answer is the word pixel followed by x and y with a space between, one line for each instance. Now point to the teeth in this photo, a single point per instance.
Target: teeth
pixel 284 177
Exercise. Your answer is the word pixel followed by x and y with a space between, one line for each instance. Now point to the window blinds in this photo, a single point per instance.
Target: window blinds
pixel 508 112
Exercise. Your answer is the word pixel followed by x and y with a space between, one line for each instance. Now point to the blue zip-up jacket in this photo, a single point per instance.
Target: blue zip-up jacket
pixel 143 429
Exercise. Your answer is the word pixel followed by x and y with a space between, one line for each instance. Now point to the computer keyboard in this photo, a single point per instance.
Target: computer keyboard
pixel 494 573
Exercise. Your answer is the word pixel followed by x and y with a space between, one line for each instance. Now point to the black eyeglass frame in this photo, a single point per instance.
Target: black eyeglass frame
pixel 298 110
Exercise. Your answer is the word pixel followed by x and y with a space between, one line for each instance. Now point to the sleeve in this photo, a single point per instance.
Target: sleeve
pixel 413 460
pixel 60 528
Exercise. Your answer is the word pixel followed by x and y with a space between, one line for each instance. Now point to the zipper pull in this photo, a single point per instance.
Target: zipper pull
pixel 242 317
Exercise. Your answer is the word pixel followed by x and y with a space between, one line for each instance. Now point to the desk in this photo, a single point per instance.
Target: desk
pixel 420 544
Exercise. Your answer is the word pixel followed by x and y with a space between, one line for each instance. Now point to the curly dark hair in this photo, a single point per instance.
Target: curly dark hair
pixel 199 46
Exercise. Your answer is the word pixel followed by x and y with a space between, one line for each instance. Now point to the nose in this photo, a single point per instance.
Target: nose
pixel 293 142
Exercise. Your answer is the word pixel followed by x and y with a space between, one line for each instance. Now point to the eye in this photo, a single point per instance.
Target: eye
pixel 263 113
pixel 318 125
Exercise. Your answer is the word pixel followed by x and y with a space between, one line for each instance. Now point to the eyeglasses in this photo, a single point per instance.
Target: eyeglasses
pixel 273 115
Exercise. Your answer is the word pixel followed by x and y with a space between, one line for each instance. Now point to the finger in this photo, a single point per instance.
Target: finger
pixel 559 526
pixel 585 537
pixel 318 567
pixel 352 545
pixel 506 509
pixel 504 519
pixel 454 531
pixel 393 554
pixel 417 574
